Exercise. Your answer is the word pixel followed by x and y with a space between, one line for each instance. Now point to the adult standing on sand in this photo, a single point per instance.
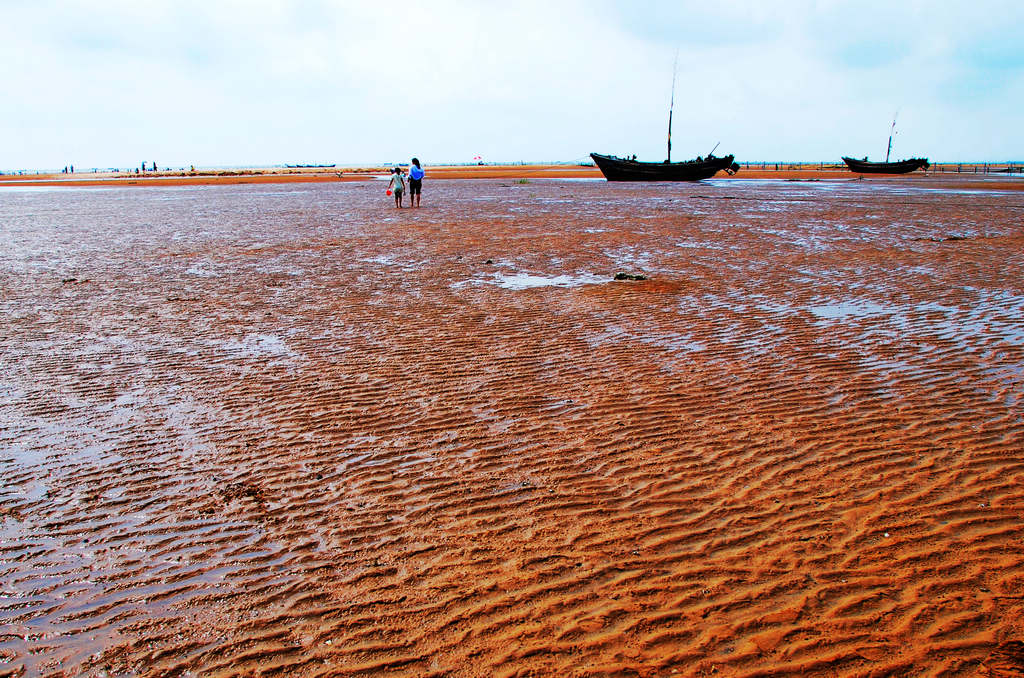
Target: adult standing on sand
pixel 415 182
pixel 398 183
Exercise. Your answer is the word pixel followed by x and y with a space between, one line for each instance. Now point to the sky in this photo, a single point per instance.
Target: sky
pixel 257 83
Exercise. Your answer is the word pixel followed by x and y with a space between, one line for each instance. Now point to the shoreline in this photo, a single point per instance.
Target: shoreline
pixel 789 172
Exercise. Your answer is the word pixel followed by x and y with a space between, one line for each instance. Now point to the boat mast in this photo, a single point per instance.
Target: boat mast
pixel 892 130
pixel 671 105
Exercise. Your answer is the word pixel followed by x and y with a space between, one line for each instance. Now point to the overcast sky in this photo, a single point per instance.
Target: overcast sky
pixel 218 82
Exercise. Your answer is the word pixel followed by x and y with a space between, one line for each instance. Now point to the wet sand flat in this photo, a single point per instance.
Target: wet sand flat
pixel 285 429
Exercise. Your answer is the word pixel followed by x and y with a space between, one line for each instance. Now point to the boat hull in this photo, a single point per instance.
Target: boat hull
pixel 621 169
pixel 901 167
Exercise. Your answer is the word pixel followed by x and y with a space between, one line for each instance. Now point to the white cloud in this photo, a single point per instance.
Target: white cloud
pixel 115 83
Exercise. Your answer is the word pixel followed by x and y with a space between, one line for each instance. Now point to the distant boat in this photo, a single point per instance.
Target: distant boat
pixel 615 168
pixel 898 167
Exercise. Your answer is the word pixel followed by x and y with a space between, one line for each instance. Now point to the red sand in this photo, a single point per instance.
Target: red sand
pixel 290 430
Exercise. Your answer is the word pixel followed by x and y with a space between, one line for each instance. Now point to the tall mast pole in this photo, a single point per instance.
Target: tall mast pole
pixel 892 130
pixel 671 105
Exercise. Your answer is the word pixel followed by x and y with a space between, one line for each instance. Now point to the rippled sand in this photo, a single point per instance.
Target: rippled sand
pixel 288 430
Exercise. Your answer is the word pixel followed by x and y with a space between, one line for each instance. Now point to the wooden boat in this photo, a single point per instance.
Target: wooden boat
pixel 615 168
pixel 624 169
pixel 898 167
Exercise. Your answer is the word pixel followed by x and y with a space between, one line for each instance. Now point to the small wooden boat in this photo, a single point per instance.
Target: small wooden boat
pixel 899 167
pixel 624 169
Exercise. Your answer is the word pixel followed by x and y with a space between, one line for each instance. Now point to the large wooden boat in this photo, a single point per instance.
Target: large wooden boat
pixel 624 169
pixel 615 168
pixel 899 167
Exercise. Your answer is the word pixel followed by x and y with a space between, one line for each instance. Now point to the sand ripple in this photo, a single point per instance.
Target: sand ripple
pixel 277 431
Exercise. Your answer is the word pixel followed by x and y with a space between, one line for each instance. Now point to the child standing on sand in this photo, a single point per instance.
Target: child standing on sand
pixel 398 184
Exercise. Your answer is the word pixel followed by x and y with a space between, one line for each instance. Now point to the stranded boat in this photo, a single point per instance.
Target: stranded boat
pixel 624 169
pixel 898 167
pixel 630 169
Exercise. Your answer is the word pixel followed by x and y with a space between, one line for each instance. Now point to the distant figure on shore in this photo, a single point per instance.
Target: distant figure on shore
pixel 415 182
pixel 397 183
pixel 72 169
